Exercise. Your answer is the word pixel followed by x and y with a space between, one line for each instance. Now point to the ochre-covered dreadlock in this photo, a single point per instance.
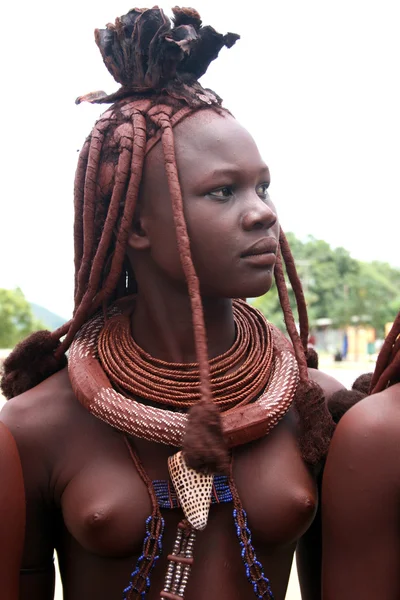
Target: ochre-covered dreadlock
pixel 158 67
pixel 387 370
pixel 315 420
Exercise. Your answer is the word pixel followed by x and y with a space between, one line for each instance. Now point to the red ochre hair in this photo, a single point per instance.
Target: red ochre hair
pixel 387 370
pixel 158 67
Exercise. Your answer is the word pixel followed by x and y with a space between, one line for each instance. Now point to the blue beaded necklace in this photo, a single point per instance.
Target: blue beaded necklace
pixel 167 497
pixel 224 491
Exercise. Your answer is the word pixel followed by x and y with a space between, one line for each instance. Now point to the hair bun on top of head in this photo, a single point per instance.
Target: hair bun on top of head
pixel 146 53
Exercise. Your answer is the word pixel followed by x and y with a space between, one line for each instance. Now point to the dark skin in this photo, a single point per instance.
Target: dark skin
pixel 85 497
pixel 12 522
pixel 361 502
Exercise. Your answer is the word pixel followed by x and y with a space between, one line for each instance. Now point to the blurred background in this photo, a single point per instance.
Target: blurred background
pixel 316 85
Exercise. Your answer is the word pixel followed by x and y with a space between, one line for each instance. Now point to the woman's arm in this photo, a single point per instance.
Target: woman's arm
pixel 360 504
pixel 12 515
pixel 26 561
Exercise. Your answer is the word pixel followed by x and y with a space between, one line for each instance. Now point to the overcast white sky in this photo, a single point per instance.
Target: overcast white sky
pixel 316 83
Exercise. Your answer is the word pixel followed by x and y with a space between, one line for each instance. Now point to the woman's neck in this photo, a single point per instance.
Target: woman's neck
pixel 162 325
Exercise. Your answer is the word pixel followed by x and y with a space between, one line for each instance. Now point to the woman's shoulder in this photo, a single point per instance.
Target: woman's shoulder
pixel 43 421
pixel 368 435
pixel 375 415
pixel 42 410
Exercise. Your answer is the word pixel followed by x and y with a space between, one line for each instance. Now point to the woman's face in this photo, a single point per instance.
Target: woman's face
pixel 231 221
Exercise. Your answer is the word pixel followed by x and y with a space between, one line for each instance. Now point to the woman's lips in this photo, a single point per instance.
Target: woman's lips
pixel 261 260
pixel 262 253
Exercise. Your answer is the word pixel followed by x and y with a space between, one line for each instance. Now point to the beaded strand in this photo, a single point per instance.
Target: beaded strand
pixel 254 569
pixel 179 563
pixel 152 550
pixel 139 582
pixel 163 495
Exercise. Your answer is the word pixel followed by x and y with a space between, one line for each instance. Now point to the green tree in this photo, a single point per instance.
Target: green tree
pixel 16 318
pixel 338 287
pixel 372 297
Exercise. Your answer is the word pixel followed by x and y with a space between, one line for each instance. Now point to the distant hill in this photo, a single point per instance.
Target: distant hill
pixel 48 318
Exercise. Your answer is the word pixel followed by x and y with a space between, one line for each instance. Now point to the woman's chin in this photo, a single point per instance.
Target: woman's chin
pixel 254 289
pixel 243 287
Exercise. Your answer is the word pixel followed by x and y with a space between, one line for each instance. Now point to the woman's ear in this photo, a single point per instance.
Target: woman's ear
pixel 138 238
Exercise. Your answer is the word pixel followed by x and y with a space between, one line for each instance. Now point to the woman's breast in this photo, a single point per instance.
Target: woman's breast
pixel 276 488
pixel 105 505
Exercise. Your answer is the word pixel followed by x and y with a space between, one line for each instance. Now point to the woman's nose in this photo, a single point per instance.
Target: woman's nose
pixel 258 215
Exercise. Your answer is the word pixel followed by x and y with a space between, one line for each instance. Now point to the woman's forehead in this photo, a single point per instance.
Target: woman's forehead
pixel 204 140
pixel 206 128
pixel 208 136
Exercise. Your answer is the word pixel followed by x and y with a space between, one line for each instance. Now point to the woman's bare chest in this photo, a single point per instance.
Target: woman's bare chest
pixel 105 502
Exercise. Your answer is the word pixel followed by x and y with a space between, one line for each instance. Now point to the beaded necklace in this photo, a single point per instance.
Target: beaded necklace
pixel 180 561
pixel 252 418
pixel 167 497
pixel 252 402
pixel 237 376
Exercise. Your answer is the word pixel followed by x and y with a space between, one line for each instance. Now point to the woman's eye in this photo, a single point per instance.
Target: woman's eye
pixel 221 193
pixel 262 190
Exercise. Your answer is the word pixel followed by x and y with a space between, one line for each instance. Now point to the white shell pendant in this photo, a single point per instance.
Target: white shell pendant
pixel 193 490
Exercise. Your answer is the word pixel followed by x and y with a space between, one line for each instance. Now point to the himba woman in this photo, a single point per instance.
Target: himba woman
pixel 361 490
pixel 176 455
